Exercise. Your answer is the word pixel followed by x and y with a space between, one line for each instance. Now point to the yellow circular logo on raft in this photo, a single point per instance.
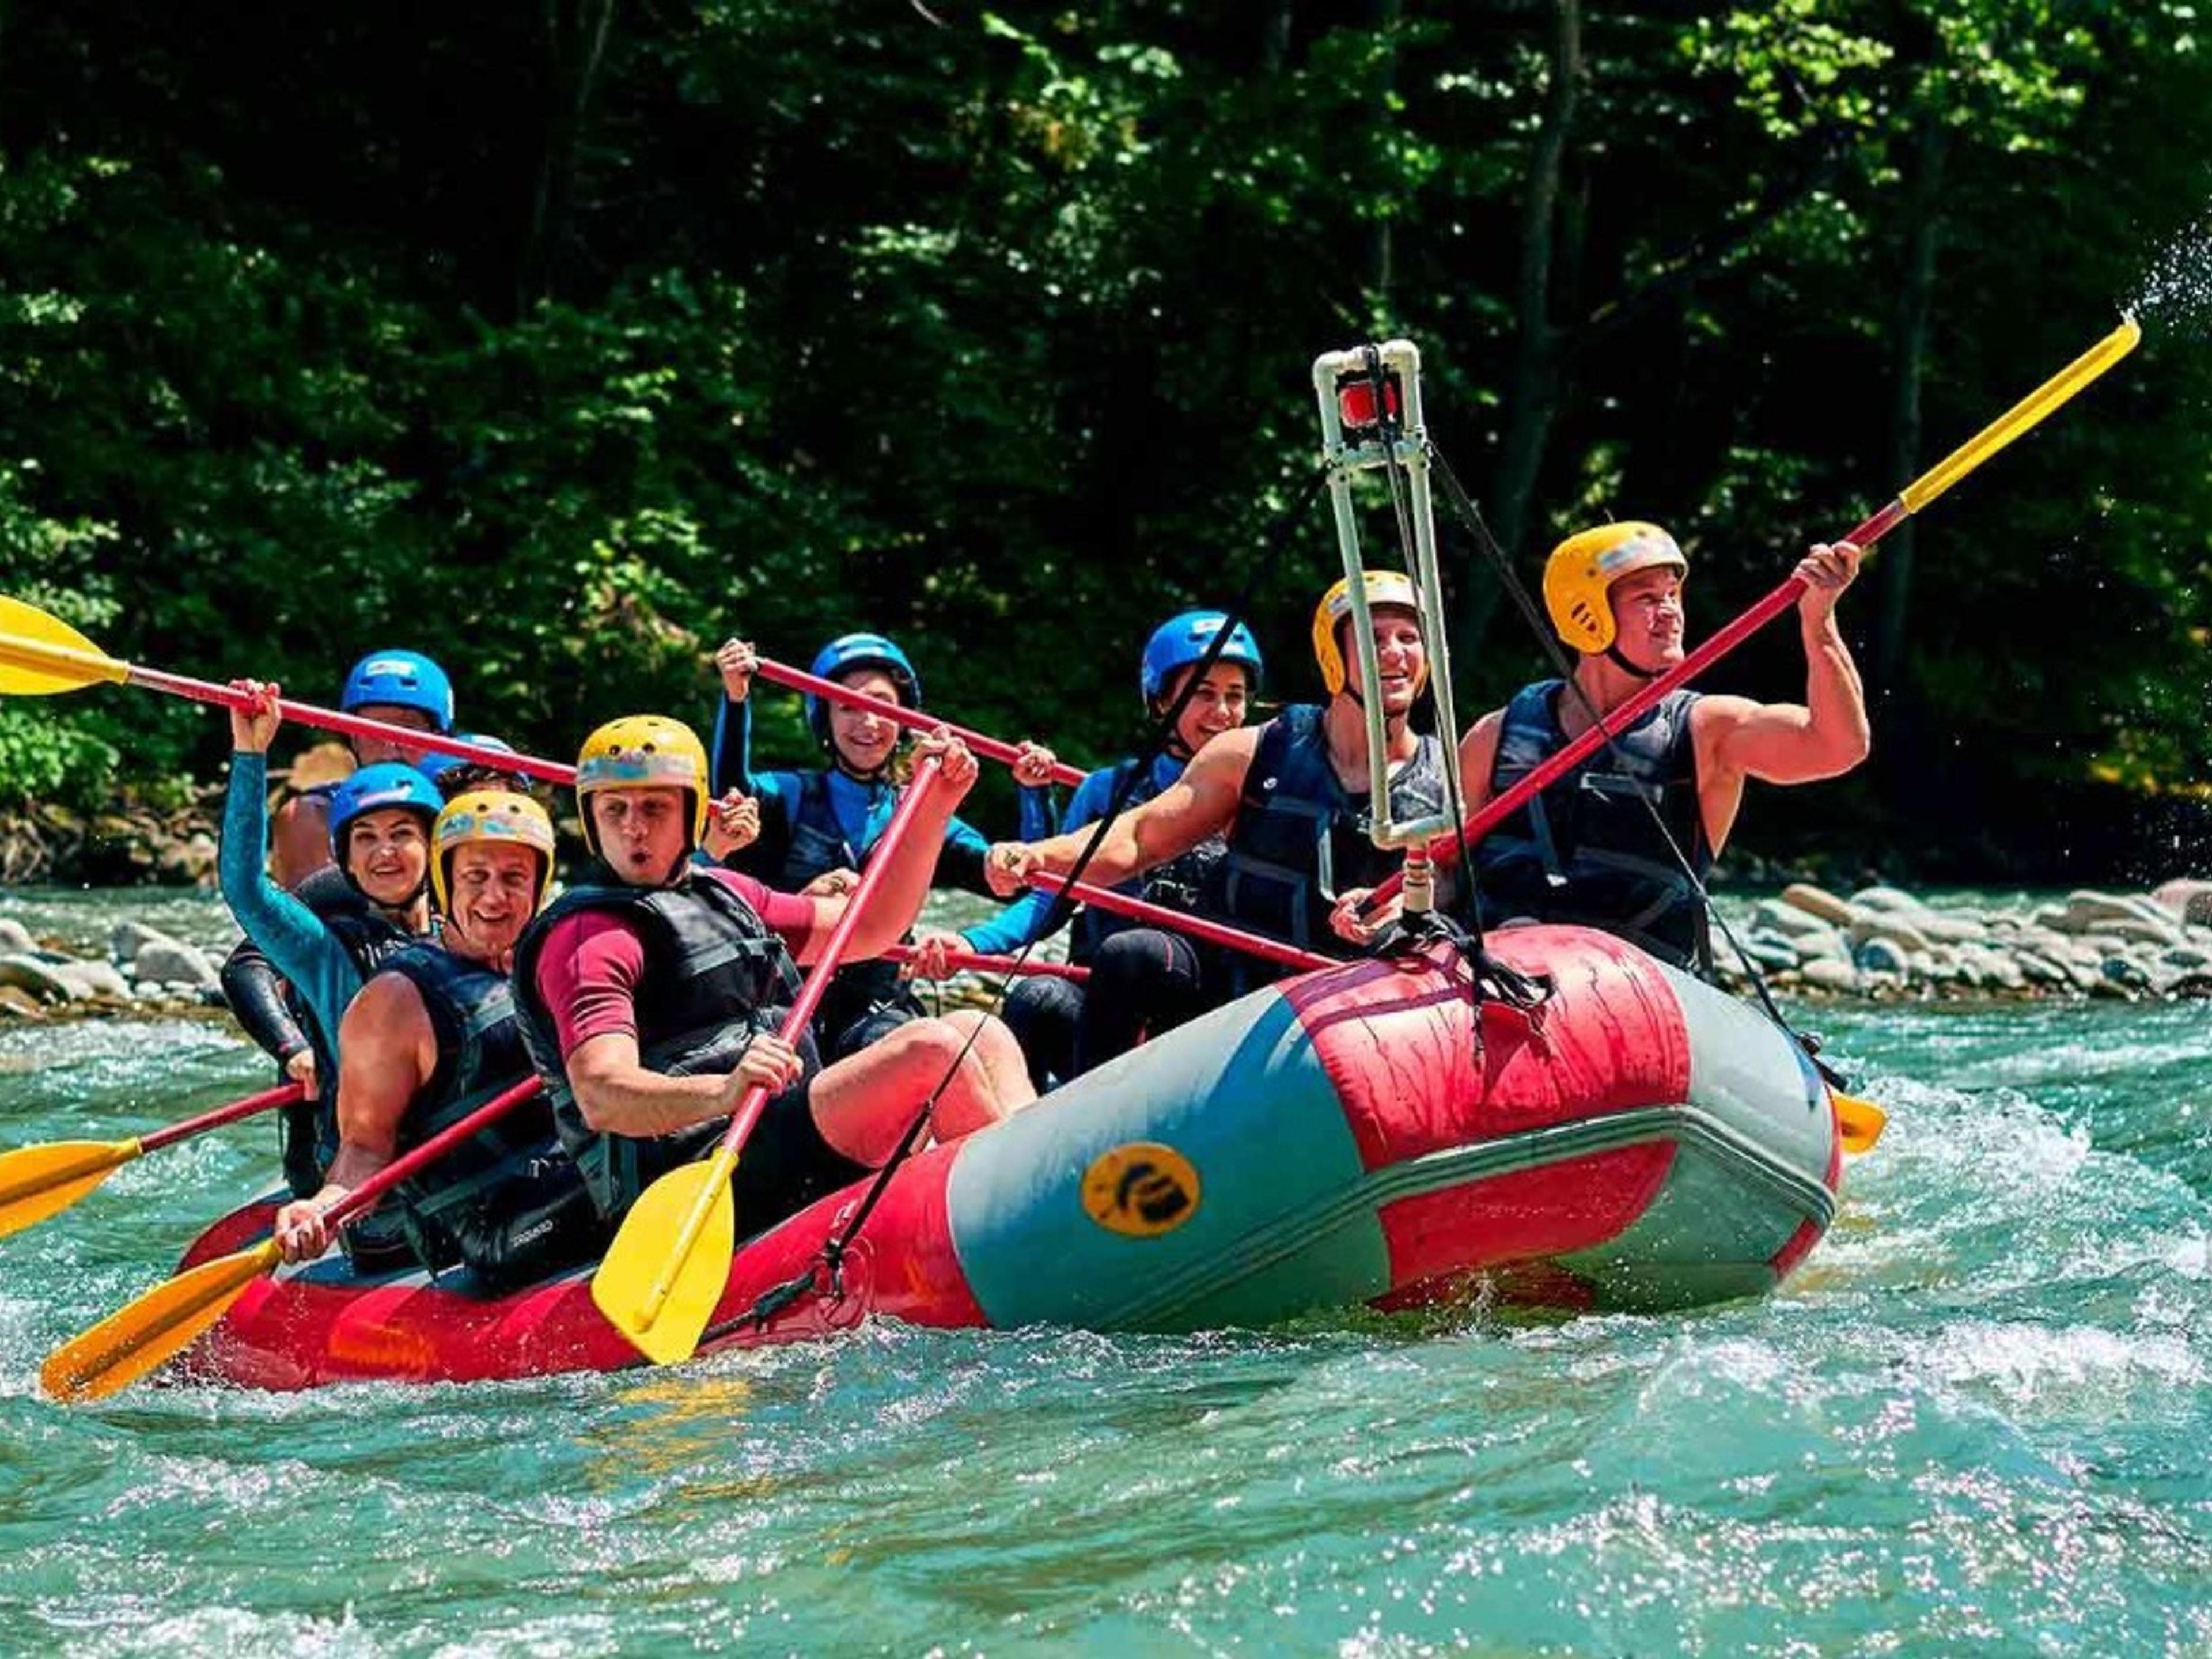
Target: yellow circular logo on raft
pixel 1142 1189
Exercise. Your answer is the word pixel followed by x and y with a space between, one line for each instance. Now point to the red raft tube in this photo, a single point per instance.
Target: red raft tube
pixel 1358 1135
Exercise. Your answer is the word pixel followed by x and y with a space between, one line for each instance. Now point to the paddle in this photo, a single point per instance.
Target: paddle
pixel 1859 1121
pixel 141 1336
pixel 1213 933
pixel 987 962
pixel 39 1182
pixel 41 655
pixel 670 1261
pixel 913 719
pixel 2016 421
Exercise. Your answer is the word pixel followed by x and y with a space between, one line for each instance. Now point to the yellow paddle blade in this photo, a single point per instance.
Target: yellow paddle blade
pixel 657 1286
pixel 1861 1121
pixel 139 1338
pixel 37 1181
pixel 41 654
pixel 2028 412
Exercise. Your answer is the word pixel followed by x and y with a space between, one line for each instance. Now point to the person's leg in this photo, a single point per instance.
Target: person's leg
pixel 1143 981
pixel 864 1104
pixel 1041 1013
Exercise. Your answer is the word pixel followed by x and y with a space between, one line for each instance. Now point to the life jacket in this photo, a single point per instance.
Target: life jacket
pixel 715 976
pixel 1301 838
pixel 816 843
pixel 1185 881
pixel 1587 849
pixel 480 1055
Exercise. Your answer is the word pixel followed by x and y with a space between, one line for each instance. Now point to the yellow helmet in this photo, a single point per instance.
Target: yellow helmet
pixel 642 751
pixel 1583 568
pixel 1383 587
pixel 498 816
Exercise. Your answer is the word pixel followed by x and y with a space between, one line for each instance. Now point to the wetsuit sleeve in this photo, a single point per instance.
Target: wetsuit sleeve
pixel 588 974
pixel 1023 920
pixel 732 764
pixel 1038 819
pixel 255 992
pixel 291 935
pixel 960 860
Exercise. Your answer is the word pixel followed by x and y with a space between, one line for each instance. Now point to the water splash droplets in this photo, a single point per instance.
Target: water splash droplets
pixel 2176 289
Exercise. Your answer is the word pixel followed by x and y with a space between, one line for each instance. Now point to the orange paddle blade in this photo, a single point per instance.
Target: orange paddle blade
pixel 1860 1121
pixel 40 655
pixel 143 1336
pixel 38 1181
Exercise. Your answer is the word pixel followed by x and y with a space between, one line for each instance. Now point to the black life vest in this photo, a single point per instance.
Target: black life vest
pixel 1587 849
pixel 1187 881
pixel 715 976
pixel 816 842
pixel 1300 837
pixel 480 1055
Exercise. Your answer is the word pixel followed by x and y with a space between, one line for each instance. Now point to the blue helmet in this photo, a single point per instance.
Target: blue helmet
pixel 848 652
pixel 375 789
pixel 454 772
pixel 403 679
pixel 1182 641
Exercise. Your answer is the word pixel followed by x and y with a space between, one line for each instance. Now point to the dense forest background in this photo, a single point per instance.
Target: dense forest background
pixel 561 341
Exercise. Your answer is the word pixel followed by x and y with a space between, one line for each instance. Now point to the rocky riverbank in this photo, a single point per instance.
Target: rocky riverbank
pixel 1883 943
pixel 145 972
pixel 134 844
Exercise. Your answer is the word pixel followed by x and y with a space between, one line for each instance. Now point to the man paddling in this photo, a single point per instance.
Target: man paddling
pixel 1623 842
pixel 432 1037
pixel 652 993
pixel 1289 796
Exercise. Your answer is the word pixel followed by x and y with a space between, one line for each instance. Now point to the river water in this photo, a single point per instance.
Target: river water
pixel 1977 1418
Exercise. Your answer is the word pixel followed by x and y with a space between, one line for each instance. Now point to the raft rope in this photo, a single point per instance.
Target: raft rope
pixel 831 1258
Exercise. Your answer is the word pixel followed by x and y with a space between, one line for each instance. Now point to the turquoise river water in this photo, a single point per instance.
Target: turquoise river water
pixel 1976 1419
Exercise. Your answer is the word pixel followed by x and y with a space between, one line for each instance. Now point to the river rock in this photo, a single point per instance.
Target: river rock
pixel 2124 914
pixel 167 961
pixel 14 936
pixel 1892 900
pixel 94 979
pixel 130 936
pixel 1788 920
pixel 1881 954
pixel 2188 898
pixel 1818 901
pixel 1890 925
pixel 29 972
pixel 1829 974
pixel 16 1003
pixel 1944 929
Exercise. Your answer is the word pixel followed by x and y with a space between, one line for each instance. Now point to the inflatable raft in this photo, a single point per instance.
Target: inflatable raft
pixel 1363 1134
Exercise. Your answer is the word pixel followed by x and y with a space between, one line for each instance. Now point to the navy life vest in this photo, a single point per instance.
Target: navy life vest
pixel 1587 850
pixel 480 1055
pixel 1300 837
pixel 1185 881
pixel 715 976
pixel 817 842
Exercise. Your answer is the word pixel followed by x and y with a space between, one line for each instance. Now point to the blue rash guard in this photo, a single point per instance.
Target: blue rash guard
pixel 855 815
pixel 293 936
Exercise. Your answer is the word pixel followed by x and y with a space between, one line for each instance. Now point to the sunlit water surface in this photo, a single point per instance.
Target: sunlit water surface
pixel 1976 1420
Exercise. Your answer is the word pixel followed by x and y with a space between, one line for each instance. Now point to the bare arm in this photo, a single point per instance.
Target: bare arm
pixel 619 1096
pixel 1478 759
pixel 1200 803
pixel 1825 736
pixel 387 1051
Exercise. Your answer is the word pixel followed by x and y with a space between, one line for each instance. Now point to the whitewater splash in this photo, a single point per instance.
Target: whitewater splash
pixel 2176 289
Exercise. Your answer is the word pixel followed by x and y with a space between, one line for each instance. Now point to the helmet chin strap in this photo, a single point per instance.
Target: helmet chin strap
pixel 1613 655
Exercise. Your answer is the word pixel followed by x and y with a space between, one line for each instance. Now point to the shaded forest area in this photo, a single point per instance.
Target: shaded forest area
pixel 562 341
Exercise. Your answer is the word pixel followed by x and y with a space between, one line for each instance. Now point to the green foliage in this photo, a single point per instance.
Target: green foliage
pixel 789 318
